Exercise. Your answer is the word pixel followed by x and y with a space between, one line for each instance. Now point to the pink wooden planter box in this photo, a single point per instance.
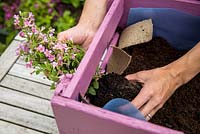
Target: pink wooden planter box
pixel 74 117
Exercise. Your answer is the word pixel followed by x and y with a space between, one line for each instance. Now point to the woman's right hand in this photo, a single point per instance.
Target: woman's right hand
pixel 80 34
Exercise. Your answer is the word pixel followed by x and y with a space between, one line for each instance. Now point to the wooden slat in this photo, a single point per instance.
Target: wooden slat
pixel 23 72
pixel 27 86
pixel 9 128
pixel 25 101
pixel 29 119
pixel 8 58
pixel 20 61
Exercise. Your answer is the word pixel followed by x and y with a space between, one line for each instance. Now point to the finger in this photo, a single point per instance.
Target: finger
pixel 148 107
pixel 153 112
pixel 62 36
pixel 142 98
pixel 134 77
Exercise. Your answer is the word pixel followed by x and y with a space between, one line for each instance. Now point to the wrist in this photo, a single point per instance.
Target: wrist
pixel 176 73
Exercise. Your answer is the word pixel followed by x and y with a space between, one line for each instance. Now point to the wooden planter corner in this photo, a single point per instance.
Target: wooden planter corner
pixel 73 117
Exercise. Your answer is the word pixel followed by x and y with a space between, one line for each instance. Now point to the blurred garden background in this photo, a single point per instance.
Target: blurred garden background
pixel 59 14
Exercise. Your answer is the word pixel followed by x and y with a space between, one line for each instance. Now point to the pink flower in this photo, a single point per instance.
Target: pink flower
pixel 16 22
pixel 45 39
pixel 66 76
pixel 24 47
pixel 16 17
pixel 18 50
pixel 54 64
pixel 34 30
pixel 60 60
pixel 22 34
pixel 29 64
pixel 51 32
pixel 51 58
pixel 40 48
pixel 60 46
pixel 49 55
pixel 27 23
pixel 73 56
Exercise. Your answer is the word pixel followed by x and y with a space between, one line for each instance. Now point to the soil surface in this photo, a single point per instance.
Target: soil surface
pixel 180 112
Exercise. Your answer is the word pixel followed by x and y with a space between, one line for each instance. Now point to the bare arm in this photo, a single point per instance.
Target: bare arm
pixel 90 20
pixel 93 13
pixel 186 67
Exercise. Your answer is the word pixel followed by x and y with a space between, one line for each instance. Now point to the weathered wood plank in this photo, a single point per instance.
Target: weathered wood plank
pixel 8 58
pixel 25 101
pixel 27 86
pixel 20 61
pixel 29 119
pixel 9 128
pixel 23 72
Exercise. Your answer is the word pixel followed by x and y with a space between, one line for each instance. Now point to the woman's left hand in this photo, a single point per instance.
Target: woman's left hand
pixel 159 85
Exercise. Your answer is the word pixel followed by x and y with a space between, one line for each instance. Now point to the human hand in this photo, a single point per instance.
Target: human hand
pixel 159 85
pixel 80 34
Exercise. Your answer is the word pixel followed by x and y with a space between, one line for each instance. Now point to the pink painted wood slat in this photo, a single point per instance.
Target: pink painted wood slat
pixel 80 118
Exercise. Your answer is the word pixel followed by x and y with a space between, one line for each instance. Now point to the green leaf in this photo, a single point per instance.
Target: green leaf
pixel 95 84
pixel 91 91
pixel 53 86
pixel 38 71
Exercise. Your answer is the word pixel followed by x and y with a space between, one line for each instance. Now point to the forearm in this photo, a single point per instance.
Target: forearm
pixel 186 67
pixel 93 13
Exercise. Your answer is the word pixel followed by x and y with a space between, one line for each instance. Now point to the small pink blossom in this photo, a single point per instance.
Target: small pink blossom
pixel 54 64
pixel 30 33
pixel 34 30
pixel 16 17
pixel 49 55
pixel 24 47
pixel 60 46
pixel 66 76
pixel 51 58
pixel 60 60
pixel 40 48
pixel 22 34
pixel 27 23
pixel 17 51
pixel 45 39
pixel 29 64
pixel 73 57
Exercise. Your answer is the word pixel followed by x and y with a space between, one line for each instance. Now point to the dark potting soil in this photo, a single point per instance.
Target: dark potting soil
pixel 180 112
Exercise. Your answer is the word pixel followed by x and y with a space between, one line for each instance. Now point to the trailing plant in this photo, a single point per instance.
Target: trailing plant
pixel 42 51
pixel 47 13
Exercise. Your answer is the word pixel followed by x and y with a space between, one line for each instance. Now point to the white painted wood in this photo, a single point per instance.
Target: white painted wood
pixel 8 58
pixel 27 86
pixel 9 128
pixel 27 118
pixel 20 61
pixel 25 101
pixel 23 72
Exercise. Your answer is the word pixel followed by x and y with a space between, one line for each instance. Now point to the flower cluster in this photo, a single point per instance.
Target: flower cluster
pixel 42 51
